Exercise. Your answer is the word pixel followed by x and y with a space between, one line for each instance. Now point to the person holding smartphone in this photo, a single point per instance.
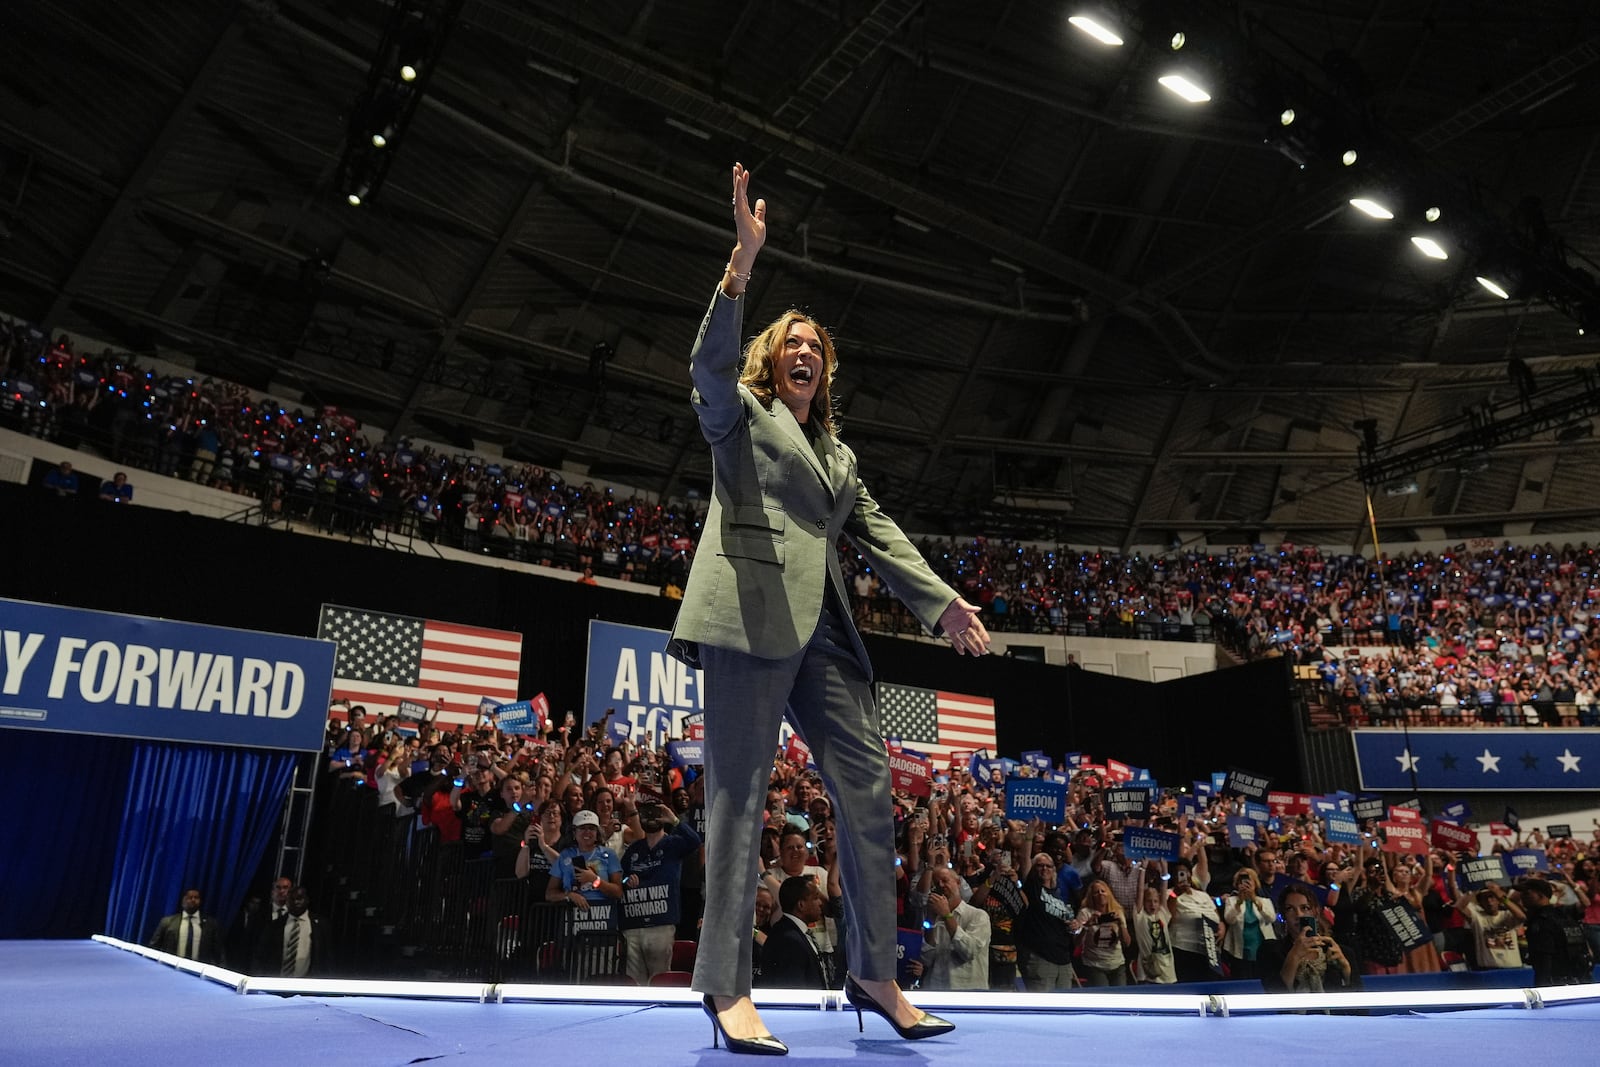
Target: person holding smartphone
pixel 1306 959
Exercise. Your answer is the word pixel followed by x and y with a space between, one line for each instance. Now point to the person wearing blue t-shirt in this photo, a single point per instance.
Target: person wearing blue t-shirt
pixel 588 873
pixel 650 896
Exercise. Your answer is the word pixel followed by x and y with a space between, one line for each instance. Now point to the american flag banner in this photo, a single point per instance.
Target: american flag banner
pixel 384 659
pixel 935 723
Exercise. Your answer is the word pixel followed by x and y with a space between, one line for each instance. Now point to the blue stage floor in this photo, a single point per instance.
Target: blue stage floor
pixel 77 1002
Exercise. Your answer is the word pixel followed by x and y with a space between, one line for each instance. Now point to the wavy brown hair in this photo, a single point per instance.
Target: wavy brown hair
pixel 762 351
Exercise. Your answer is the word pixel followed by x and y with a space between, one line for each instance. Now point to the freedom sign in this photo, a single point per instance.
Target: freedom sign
pixel 1405 837
pixel 1343 828
pixel 911 774
pixel 72 670
pixel 1035 798
pixel 1452 838
pixel 1142 843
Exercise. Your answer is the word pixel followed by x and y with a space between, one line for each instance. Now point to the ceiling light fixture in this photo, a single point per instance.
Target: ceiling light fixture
pixel 1430 248
pixel 1349 157
pixel 1178 40
pixel 1094 29
pixel 1287 118
pixel 1432 214
pixel 1371 207
pixel 1183 87
pixel 1493 287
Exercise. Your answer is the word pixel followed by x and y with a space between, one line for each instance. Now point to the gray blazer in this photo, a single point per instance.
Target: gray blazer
pixel 768 548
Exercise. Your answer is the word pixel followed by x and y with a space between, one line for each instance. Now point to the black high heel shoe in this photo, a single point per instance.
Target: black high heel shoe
pixel 927 1026
pixel 754 1046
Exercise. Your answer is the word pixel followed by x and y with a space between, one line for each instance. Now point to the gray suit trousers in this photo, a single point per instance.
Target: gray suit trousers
pixel 828 694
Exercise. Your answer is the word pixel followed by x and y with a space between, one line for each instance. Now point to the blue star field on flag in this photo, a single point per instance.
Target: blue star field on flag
pixel 1471 760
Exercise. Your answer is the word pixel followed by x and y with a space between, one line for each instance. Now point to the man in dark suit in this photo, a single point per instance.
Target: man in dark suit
pixel 296 944
pixel 790 958
pixel 188 933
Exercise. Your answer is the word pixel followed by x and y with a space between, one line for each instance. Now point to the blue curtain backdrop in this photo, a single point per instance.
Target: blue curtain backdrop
pixel 58 843
pixel 194 816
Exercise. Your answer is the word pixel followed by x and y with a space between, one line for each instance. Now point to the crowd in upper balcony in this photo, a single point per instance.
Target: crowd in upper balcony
pixel 1486 634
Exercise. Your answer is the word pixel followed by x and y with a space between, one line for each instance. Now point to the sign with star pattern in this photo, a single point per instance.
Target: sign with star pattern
pixel 1478 760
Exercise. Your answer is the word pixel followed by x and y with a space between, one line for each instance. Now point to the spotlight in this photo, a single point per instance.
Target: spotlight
pixel 354 199
pixel 1287 118
pixel 1178 41
pixel 1349 157
pixel 1094 29
pixel 379 140
pixel 1432 214
pixel 1371 207
pixel 1430 248
pixel 1493 287
pixel 408 73
pixel 1183 87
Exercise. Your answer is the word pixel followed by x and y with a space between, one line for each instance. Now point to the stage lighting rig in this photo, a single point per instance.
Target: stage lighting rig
pixel 412 44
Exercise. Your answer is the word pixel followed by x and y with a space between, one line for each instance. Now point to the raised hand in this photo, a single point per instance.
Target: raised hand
pixel 751 225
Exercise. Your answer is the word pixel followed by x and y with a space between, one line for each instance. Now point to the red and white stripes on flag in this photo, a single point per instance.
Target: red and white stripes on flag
pixel 936 723
pixel 384 659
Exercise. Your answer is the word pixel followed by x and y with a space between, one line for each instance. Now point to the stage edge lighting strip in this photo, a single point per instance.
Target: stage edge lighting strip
pixel 1147 1003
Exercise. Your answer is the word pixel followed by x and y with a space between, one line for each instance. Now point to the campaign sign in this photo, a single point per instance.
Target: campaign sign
pixel 1035 798
pixel 1244 784
pixel 1499 829
pixel 1127 803
pixel 908 947
pixel 1343 828
pixel 1075 759
pixel 1526 860
pixel 1405 837
pixel 1283 803
pixel 1038 761
pixel 1403 921
pixel 983 770
pixel 411 711
pixel 71 670
pixel 685 753
pixel 1203 789
pixel 1367 806
pixel 1118 771
pixel 1188 805
pixel 518 718
pixel 1559 829
pixel 1142 843
pixel 1149 785
pixel 1479 872
pixel 1241 832
pixel 1257 812
pixel 1453 838
pixel 1324 805
pixel 1457 811
pixel 629 670
pixel 909 774
pixel 1400 813
pixel 695 727
pixel 1218 780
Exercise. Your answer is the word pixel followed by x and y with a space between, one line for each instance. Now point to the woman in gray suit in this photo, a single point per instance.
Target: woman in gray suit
pixel 765 615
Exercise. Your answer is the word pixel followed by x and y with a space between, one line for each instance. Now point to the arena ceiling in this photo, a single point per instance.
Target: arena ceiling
pixel 1069 305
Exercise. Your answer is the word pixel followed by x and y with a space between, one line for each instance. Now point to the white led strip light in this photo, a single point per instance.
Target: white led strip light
pixel 826 1000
